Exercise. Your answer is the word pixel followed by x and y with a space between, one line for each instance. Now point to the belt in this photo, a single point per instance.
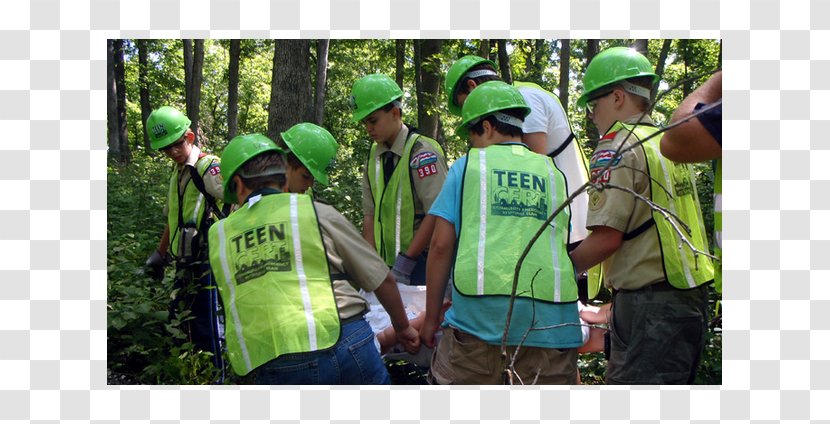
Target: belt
pixel 661 285
pixel 353 318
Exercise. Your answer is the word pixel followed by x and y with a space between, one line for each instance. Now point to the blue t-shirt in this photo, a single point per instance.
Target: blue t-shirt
pixel 485 316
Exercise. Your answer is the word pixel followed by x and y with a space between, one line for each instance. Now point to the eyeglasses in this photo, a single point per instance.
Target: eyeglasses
pixel 175 145
pixel 592 102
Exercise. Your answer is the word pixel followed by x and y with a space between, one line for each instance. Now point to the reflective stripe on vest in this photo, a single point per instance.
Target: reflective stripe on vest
pixel 507 193
pixel 677 193
pixel 274 281
pixel 718 225
pixel 193 203
pixel 394 208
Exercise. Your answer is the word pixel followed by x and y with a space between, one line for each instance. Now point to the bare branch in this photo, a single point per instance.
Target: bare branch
pixel 668 215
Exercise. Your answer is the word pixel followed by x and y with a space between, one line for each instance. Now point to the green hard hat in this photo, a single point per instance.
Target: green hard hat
pixel 371 93
pixel 613 65
pixel 492 96
pixel 456 74
pixel 240 149
pixel 314 146
pixel 165 125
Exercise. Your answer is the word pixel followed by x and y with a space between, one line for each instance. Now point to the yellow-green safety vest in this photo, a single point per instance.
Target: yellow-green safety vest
pixel 673 188
pixel 718 225
pixel 192 200
pixel 595 272
pixel 507 193
pixel 271 269
pixel 395 202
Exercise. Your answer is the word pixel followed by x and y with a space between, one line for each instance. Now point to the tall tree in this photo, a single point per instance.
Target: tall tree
pixel 686 51
pixel 417 58
pixel 290 87
pixel 187 52
pixel 322 72
pixel 564 72
pixel 540 54
pixel 121 106
pixel 430 70
pixel 591 132
pixel 641 45
pixel 661 65
pixel 400 56
pixel 504 62
pixel 144 92
pixel 113 141
pixel 195 88
pixel 484 48
pixel 233 88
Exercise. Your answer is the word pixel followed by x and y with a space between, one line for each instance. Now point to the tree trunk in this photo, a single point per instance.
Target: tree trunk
pixel 484 48
pixel 320 89
pixel 564 73
pixel 121 106
pixel 430 84
pixel 290 87
pixel 233 88
pixel 187 51
pixel 144 93
pixel 400 52
pixel 641 45
pixel 591 131
pixel 416 45
pixel 504 62
pixel 687 58
pixel 196 88
pixel 530 54
pixel 661 65
pixel 112 104
pixel 539 60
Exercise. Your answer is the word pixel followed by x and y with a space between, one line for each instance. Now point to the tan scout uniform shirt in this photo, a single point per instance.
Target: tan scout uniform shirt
pixel 426 188
pixel 638 262
pixel 348 253
pixel 213 183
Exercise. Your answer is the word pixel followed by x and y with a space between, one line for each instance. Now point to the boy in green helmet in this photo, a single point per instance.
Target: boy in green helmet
pixel 194 199
pixel 285 266
pixel 494 200
pixel 404 173
pixel 658 317
pixel 546 130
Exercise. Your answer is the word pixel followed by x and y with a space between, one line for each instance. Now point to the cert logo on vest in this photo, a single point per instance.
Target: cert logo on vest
pixel 261 250
pixel 516 193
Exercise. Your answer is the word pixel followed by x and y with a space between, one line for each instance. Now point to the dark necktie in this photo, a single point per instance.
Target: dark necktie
pixel 388 166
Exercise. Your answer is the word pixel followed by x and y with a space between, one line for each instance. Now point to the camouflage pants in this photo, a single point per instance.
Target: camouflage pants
pixel 657 335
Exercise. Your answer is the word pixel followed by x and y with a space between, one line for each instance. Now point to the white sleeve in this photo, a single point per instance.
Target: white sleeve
pixel 537 121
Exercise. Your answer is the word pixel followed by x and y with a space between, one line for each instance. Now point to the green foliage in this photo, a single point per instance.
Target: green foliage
pixel 142 343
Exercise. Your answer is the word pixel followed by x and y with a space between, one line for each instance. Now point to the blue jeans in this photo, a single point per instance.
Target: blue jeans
pixel 353 360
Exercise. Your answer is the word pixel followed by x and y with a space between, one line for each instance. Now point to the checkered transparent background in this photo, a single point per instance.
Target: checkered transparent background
pixel 53 211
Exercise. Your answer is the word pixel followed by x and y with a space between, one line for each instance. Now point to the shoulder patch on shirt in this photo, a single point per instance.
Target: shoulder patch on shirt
pixel 427 170
pixel 596 199
pixel 422 159
pixel 602 158
pixel 214 169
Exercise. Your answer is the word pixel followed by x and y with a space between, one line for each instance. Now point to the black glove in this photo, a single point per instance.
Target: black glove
pixel 154 267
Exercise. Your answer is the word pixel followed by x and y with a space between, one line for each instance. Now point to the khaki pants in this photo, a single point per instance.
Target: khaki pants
pixel 462 358
pixel 657 335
